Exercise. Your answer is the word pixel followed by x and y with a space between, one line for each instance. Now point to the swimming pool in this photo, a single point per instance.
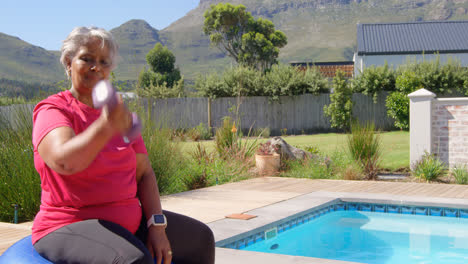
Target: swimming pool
pixel 369 233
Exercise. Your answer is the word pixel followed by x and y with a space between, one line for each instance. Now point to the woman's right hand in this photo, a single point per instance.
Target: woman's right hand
pixel 118 118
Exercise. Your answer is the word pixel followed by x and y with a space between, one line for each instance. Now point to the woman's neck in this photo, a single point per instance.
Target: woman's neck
pixel 84 98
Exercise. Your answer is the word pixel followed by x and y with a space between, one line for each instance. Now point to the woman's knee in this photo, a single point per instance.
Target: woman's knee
pixel 103 242
pixel 207 235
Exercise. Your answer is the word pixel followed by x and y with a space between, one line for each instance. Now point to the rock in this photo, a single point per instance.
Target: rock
pixel 289 152
pixel 460 11
pixel 440 12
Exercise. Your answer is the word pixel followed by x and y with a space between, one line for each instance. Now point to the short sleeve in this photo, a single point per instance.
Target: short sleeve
pixel 139 145
pixel 46 118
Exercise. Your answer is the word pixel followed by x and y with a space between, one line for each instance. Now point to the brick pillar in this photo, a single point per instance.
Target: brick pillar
pixel 420 124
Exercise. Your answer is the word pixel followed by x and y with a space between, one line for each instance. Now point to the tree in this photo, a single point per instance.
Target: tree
pixel 163 76
pixel 161 59
pixel 249 42
pixel 340 108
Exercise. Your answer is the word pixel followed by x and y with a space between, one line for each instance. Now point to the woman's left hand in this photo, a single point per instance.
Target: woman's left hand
pixel 158 244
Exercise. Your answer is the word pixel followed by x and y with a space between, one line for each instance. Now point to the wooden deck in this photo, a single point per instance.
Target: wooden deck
pixel 214 203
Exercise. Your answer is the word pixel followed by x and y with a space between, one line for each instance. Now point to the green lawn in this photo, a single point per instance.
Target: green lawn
pixel 395 152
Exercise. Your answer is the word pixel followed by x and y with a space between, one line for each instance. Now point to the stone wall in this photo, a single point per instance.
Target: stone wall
pixel 450 130
pixel 438 126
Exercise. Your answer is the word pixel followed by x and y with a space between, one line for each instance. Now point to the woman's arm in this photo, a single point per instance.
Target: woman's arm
pixel 148 192
pixel 67 153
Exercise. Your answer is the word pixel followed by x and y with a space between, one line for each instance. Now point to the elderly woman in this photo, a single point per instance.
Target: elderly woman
pixel 100 201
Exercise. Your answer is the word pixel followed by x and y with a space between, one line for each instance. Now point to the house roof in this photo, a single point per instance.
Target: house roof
pixel 322 63
pixel 412 38
pixel 328 68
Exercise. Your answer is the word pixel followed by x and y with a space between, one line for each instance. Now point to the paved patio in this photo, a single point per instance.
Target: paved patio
pixel 212 204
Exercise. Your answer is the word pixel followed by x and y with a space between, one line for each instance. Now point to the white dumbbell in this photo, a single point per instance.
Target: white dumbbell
pixel 104 94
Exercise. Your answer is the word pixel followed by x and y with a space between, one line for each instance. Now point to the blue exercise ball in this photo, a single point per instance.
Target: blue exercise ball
pixel 22 252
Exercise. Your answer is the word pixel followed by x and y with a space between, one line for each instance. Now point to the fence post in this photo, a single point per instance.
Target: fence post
pixel 209 113
pixel 420 124
pixel 16 213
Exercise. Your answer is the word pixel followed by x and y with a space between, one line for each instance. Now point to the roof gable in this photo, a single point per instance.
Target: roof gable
pixel 413 37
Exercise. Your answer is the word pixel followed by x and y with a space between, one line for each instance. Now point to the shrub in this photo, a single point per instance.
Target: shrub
pixel 311 149
pixel 11 100
pixel 280 80
pixel 408 81
pixel 262 132
pixel 244 81
pixel 200 132
pixel 460 173
pixel 352 173
pixel 162 90
pixel 229 144
pixel 226 137
pixel 196 178
pixel 284 132
pixel 365 147
pixel 165 155
pixel 441 79
pixel 397 104
pixel 200 155
pixel 373 80
pixel 435 77
pixel 212 86
pixel 285 80
pixel 340 108
pixel 429 167
pixel 205 169
pixel 316 168
pixel 316 82
pixel 311 169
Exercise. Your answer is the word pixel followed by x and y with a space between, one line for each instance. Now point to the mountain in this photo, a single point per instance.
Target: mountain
pixel 136 38
pixel 317 30
pixel 22 61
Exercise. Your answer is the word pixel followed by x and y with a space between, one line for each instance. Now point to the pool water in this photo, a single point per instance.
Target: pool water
pixel 372 237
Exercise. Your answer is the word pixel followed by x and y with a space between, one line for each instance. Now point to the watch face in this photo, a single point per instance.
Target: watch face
pixel 159 219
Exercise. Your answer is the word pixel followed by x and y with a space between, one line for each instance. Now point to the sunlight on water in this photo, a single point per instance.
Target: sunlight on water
pixel 372 237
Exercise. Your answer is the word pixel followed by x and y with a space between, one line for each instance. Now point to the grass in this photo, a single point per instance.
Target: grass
pixel 19 181
pixel 395 146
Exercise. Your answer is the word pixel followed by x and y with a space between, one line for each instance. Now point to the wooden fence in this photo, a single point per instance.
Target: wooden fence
pixel 294 114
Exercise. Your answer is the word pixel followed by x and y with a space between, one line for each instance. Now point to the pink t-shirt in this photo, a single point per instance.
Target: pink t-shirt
pixel 106 190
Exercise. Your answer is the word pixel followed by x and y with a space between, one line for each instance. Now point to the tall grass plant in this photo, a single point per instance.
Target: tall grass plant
pixel 229 143
pixel 365 147
pixel 165 154
pixel 429 167
pixel 460 173
pixel 317 168
pixel 19 182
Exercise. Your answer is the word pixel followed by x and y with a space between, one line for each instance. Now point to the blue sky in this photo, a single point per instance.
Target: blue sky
pixel 46 23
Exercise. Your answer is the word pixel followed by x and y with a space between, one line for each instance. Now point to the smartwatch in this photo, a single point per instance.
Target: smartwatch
pixel 157 220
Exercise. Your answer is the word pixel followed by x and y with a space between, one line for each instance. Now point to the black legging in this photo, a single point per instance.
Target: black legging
pixel 98 241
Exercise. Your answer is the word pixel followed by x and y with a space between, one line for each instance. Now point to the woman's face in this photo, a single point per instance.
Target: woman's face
pixel 90 64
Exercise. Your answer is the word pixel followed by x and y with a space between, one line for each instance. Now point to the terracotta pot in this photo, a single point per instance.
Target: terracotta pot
pixel 267 164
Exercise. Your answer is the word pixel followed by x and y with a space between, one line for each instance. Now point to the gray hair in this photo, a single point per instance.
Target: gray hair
pixel 80 36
